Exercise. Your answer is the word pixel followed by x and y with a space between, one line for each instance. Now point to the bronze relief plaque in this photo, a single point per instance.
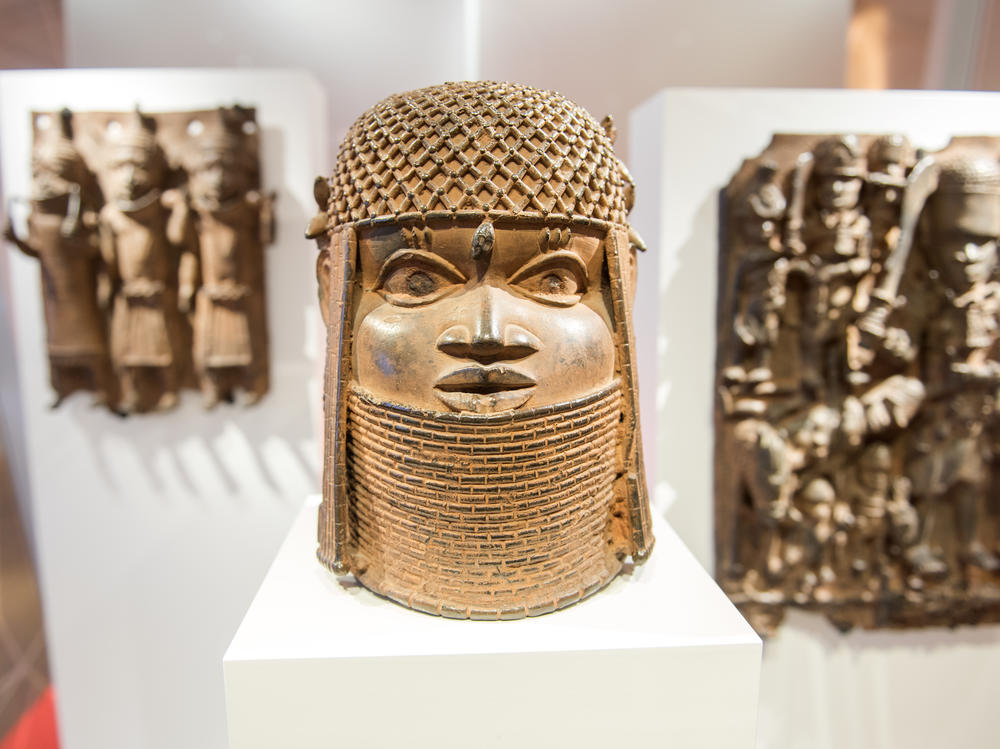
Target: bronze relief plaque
pixel 857 382
pixel 149 230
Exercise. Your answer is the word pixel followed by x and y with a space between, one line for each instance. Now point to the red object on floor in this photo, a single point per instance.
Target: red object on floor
pixel 37 727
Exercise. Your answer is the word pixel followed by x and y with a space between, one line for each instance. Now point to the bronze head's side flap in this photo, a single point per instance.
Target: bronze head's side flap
pixel 631 484
pixel 335 271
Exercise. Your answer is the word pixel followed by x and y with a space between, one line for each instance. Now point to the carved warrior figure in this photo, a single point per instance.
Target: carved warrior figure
pixel 890 159
pixel 837 239
pixel 134 242
pixel 760 277
pixel 476 275
pixel 881 512
pixel 221 276
pixel 61 234
pixel 960 331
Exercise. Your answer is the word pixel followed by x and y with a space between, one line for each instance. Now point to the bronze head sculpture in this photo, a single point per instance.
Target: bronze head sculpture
pixel 476 275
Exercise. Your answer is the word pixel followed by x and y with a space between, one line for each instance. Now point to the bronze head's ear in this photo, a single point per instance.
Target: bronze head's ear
pixel 319 223
pixel 608 123
pixel 323 279
pixel 321 193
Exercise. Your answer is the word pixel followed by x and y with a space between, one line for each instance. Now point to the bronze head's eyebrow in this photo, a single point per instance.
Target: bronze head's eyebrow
pixel 554 239
pixel 418 238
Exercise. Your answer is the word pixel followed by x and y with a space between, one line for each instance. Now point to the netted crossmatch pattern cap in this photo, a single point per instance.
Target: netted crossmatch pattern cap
pixel 970 172
pixel 478 147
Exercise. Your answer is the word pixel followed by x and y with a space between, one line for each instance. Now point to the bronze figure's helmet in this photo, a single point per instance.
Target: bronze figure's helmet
pixel 55 161
pixel 222 162
pixel 968 192
pixel 839 156
pixel 218 146
pixel 476 274
pixel 963 217
pixel 136 164
pixel 891 155
pixel 837 173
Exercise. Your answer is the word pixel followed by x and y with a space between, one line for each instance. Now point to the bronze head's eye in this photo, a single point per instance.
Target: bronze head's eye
pixel 416 282
pixel 558 278
pixel 420 283
pixel 558 282
pixel 413 277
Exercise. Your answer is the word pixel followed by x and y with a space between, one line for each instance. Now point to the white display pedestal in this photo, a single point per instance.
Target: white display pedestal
pixel 659 658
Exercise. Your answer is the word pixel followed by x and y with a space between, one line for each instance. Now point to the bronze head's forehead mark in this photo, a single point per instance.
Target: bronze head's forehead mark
pixel 483 240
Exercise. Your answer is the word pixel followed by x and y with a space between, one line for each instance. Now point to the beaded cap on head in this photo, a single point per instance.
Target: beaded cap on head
pixel 890 150
pixel 135 142
pixel 839 156
pixel 967 173
pixel 54 150
pixel 219 145
pixel 478 148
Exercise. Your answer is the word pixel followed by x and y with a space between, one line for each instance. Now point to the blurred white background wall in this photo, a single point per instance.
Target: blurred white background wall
pixel 606 56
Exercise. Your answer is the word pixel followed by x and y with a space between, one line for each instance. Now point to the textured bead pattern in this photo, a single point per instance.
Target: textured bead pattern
pixel 484 516
pixel 478 147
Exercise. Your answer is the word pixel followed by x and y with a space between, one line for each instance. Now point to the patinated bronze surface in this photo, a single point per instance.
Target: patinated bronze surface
pixel 476 275
pixel 858 377
pixel 150 229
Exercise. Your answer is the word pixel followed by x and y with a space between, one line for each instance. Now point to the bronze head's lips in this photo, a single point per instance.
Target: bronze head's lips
pixel 484 380
pixel 485 389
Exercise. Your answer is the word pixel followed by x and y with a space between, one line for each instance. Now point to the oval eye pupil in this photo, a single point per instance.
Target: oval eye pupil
pixel 553 284
pixel 419 283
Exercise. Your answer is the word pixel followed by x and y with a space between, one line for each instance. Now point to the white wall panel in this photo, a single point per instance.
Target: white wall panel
pixel 609 57
pixel 360 51
pixel 819 689
pixel 152 532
